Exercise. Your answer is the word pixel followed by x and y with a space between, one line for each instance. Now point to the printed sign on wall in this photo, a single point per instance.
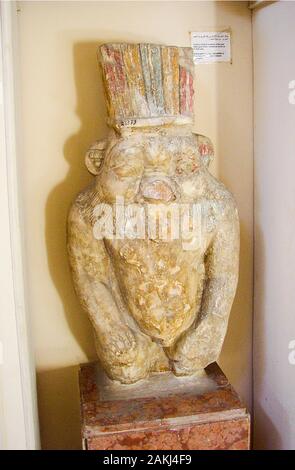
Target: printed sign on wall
pixel 209 47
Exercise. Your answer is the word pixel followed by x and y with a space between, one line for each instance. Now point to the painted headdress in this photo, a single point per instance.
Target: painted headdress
pixel 147 84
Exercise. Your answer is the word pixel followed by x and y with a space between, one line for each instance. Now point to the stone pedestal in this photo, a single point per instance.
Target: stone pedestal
pixel 163 412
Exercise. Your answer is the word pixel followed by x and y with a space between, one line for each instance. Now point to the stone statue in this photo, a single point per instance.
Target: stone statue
pixel 154 241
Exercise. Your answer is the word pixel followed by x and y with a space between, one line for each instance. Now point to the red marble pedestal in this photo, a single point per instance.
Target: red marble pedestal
pixel 162 413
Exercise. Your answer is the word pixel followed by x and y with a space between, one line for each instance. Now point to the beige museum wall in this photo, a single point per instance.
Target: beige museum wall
pixel 274 329
pixel 63 112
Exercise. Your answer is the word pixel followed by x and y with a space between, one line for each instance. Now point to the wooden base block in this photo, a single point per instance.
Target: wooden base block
pixel 163 412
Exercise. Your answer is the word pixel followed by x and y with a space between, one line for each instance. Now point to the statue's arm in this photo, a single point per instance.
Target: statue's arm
pixel 201 345
pixel 221 267
pixel 90 266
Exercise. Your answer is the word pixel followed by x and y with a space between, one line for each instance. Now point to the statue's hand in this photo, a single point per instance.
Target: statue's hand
pixel 119 345
pixel 198 347
pixel 126 354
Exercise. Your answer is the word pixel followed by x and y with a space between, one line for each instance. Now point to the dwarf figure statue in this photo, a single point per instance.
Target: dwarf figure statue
pixel 154 241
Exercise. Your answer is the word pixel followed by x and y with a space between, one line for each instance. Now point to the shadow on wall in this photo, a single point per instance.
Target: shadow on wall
pixel 91 111
pixel 265 434
pixel 58 389
pixel 59 408
pixel 231 351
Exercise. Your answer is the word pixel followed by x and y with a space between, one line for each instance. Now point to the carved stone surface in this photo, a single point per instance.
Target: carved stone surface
pixel 154 241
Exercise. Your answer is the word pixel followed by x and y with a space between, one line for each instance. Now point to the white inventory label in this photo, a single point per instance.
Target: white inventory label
pixel 209 47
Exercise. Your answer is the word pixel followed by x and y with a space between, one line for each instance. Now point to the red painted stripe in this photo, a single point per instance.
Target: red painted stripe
pixel 182 91
pixel 191 92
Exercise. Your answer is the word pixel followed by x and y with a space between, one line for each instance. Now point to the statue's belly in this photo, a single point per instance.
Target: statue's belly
pixel 161 285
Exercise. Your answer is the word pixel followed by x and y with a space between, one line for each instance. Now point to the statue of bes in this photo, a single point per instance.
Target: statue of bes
pixel 157 301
